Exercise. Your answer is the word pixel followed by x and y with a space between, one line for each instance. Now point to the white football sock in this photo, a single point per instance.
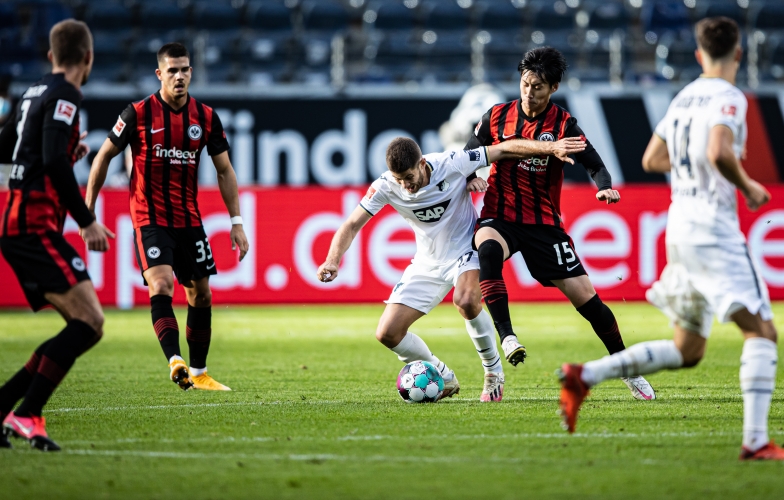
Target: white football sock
pixel 412 348
pixel 482 333
pixel 757 380
pixel 639 359
pixel 175 357
pixel 197 371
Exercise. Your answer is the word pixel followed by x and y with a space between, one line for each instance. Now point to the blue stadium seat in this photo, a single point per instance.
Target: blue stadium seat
pixel 268 15
pixel 324 15
pixel 445 15
pixel 393 15
pixel 268 47
pixel 110 46
pixel 8 17
pixel 550 17
pixel 726 9
pixel 770 17
pixel 669 15
pixel 162 16
pixel 609 16
pixel 208 15
pixel 143 51
pixel 108 16
pixel 498 15
pixel 398 53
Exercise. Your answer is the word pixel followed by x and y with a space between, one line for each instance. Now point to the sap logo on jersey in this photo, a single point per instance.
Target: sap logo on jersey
pixel 432 213
pixel 173 153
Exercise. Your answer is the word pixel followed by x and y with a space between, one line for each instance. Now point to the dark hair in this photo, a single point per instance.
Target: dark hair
pixel 70 41
pixel 545 62
pixel 718 36
pixel 174 49
pixel 402 154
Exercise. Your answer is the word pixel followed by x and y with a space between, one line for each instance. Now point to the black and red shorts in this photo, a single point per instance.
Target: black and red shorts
pixel 43 262
pixel 548 251
pixel 186 249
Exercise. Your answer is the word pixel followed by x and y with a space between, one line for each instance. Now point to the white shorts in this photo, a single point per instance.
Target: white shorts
pixel 700 281
pixel 424 286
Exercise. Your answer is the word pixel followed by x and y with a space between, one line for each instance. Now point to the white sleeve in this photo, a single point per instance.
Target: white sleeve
pixel 375 199
pixel 469 161
pixel 729 109
pixel 661 127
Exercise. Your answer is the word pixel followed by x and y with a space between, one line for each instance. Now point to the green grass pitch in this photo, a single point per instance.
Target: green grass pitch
pixel 314 414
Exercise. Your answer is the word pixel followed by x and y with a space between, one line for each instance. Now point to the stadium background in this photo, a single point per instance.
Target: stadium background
pixel 311 92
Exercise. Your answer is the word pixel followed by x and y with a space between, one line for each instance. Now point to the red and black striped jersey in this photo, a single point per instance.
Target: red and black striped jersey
pixel 529 191
pixel 166 145
pixel 40 143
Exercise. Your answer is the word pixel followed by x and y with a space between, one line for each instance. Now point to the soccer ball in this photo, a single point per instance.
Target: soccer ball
pixel 420 382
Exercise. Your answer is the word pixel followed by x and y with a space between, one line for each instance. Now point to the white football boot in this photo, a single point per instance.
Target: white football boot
pixel 493 391
pixel 640 388
pixel 451 386
pixel 514 351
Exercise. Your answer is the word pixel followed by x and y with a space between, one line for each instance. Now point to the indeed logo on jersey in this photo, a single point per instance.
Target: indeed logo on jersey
pixel 432 213
pixel 173 153
pixel 535 164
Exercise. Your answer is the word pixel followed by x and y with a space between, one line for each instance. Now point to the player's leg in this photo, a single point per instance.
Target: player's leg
pixel 82 311
pixel 198 333
pixel 493 250
pixel 580 292
pixel 468 300
pixel 757 380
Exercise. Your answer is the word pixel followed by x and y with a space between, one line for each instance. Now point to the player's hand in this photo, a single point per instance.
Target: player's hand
pixel 96 236
pixel 477 185
pixel 82 149
pixel 327 272
pixel 756 195
pixel 238 239
pixel 609 195
pixel 567 146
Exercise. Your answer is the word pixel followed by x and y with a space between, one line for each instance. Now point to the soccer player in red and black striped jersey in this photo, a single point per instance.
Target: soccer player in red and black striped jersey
pixel 522 211
pixel 41 141
pixel 167 132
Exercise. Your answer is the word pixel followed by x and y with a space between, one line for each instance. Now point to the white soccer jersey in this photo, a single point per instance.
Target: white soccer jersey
pixel 441 213
pixel 704 204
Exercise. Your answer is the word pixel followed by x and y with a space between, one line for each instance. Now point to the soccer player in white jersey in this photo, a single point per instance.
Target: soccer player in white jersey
pixel 430 192
pixel 709 270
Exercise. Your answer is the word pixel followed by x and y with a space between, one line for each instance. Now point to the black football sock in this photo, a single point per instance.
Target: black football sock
pixel 165 324
pixel 198 333
pixel 491 281
pixel 603 322
pixel 56 359
pixel 17 386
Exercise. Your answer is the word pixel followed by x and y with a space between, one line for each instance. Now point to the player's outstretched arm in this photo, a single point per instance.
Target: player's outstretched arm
pixel 345 234
pixel 524 148
pixel 656 159
pixel 227 183
pixel 98 171
pixel 721 155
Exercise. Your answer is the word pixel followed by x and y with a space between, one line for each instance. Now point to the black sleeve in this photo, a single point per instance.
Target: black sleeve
pixel 217 142
pixel 481 135
pixel 123 131
pixel 589 158
pixel 58 131
pixel 8 139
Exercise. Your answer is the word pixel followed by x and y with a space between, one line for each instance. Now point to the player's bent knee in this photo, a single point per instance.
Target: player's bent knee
pixel 491 251
pixel 691 361
pixel 389 337
pixel 203 299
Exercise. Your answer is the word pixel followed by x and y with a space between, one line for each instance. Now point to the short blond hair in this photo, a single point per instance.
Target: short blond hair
pixel 70 41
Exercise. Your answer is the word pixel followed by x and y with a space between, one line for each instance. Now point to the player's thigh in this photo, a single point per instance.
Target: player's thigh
pixel 422 287
pixel 395 322
pixel 160 280
pixel 154 248
pixel 79 302
pixel 193 259
pixel 578 290
pixel 485 233
pixel 468 296
pixel 549 253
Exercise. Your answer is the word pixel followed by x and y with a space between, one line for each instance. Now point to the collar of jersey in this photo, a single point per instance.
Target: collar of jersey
pixel 169 108
pixel 540 116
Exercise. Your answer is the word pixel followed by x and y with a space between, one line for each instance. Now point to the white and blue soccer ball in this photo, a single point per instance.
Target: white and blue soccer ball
pixel 420 382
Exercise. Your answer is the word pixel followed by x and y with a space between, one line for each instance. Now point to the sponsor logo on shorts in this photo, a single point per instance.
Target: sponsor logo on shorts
pixel 570 268
pixel 153 252
pixel 194 132
pixel 78 264
pixel 432 213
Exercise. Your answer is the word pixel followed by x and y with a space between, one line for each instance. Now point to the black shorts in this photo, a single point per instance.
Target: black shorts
pixel 186 249
pixel 43 262
pixel 548 251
